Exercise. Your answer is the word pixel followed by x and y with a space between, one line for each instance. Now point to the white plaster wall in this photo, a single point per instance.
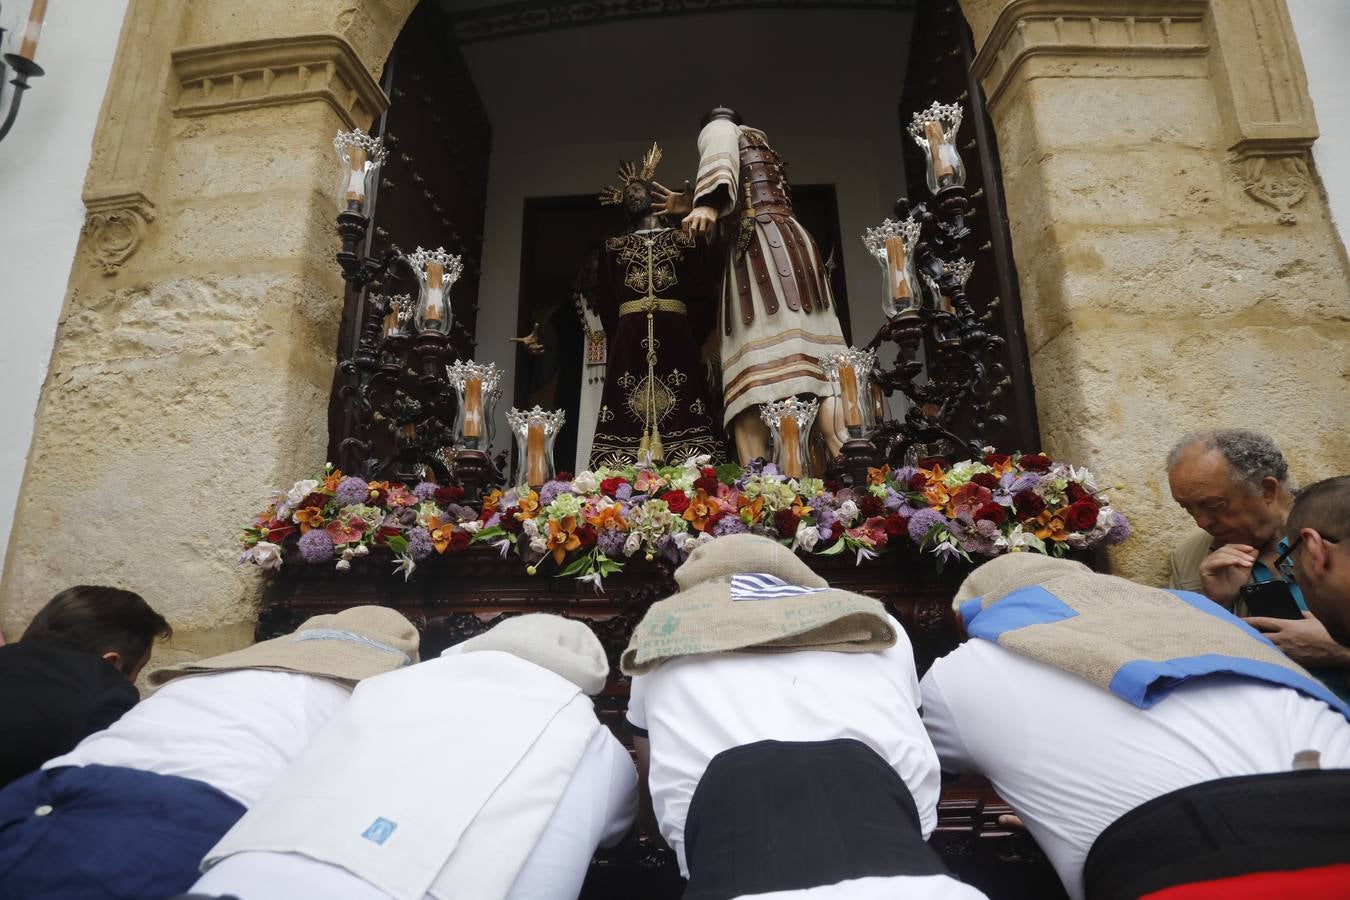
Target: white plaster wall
pixel 43 162
pixel 1323 31
pixel 566 106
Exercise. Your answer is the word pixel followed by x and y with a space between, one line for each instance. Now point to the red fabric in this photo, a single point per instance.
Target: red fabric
pixel 1323 883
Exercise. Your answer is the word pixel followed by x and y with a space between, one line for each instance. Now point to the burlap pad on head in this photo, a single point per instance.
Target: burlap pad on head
pixel 703 618
pixel 1119 622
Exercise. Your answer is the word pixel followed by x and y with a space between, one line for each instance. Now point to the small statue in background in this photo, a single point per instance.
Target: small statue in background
pixel 777 309
pixel 656 295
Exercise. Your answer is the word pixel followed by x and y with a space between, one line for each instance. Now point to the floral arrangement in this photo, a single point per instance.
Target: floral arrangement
pixel 587 526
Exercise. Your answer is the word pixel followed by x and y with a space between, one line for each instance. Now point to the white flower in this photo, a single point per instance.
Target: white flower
pixel 405 565
pixel 266 555
pixel 632 543
pixel 703 538
pixel 847 512
pixel 300 491
pixel 348 555
pixel 361 550
pixel 502 546
pixel 343 565
pixel 538 544
pixel 593 579
pixel 697 462
pixel 472 526
pixel 585 482
pixel 531 529
pixel 806 537
pixel 1083 477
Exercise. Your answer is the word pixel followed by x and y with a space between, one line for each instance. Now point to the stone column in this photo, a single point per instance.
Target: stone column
pixel 1177 263
pixel 195 350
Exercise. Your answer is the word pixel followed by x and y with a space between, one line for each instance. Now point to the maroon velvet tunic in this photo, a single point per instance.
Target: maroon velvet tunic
pixel 667 270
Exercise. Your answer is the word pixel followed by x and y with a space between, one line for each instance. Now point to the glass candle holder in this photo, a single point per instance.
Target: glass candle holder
pixel 789 424
pixel 892 245
pixel 361 157
pixel 934 130
pixel 477 386
pixel 850 375
pixel 534 431
pixel 398 315
pixel 436 272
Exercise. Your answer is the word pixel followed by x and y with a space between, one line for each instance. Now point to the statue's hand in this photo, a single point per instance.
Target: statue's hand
pixel 531 342
pixel 700 222
pixel 666 202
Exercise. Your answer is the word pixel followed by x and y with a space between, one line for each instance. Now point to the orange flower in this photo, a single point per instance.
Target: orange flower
pixel 491 502
pixel 529 506
pixel 330 481
pixel 609 517
pixel 310 517
pixel 754 507
pixel 878 476
pixel 701 506
pixel 441 532
pixel 377 490
pixel 935 495
pixel 800 509
pixel 562 537
pixel 1051 527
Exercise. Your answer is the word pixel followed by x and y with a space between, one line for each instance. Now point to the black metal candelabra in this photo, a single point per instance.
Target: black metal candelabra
pixel 24 69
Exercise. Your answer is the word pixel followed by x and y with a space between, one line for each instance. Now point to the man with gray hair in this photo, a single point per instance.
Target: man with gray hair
pixel 1234 482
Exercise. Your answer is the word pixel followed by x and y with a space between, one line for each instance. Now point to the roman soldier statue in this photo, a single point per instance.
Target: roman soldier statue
pixel 656 296
pixel 777 310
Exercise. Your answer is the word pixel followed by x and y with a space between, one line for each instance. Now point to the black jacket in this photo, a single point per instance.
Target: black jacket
pixel 52 698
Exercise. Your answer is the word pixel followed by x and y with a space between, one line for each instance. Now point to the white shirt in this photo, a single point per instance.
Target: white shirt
pixel 235 730
pixel 1071 758
pixel 597 809
pixel 695 707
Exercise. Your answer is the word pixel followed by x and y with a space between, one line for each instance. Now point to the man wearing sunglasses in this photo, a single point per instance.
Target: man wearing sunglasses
pixel 1317 527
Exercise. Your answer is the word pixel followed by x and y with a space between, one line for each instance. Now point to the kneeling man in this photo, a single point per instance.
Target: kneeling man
pixel 1154 744
pixel 779 734
pixel 483 774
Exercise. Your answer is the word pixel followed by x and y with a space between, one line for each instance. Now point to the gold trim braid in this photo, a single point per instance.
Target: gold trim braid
pixel 652 304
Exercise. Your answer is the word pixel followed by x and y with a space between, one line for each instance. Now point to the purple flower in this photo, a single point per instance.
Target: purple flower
pixel 975 543
pixel 893 501
pixel 902 475
pixel 1025 483
pixel 729 525
pixel 550 491
pixel 610 541
pixel 669 549
pixel 1007 480
pixel 352 490
pixel 770 469
pixel 1120 529
pixel 922 520
pixel 316 546
pixel 623 492
pixel 460 513
pixel 425 490
pixel 419 544
pixel 825 532
pixel 493 520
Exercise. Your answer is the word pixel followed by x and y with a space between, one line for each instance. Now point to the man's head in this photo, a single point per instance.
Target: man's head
pixel 108 622
pixel 1235 484
pixel 1319 543
pixel 721 112
pixel 637 200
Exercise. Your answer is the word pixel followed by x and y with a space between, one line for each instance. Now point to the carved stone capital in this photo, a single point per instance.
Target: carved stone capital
pixel 277 72
pixel 115 225
pixel 1026 29
pixel 1280 182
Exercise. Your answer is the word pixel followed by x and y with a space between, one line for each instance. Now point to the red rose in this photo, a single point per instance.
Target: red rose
pixel 996 459
pixel 985 480
pixel 459 540
pixel 833 485
pixel 610 486
pixel 509 522
pixel 917 482
pixel 932 462
pixel 1035 462
pixel 836 530
pixel 785 520
pixel 677 501
pixel 1077 492
pixel 991 512
pixel 1028 504
pixel 708 472
pixel 708 483
pixel 450 493
pixel 586 533
pixel 563 476
pixel 317 498
pixel 895 525
pixel 385 532
pixel 870 506
pixel 1081 516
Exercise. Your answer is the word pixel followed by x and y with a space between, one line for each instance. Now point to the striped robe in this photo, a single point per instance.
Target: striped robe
pixel 776 355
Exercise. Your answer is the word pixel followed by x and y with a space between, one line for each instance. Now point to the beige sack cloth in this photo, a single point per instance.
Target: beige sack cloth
pixel 1117 621
pixel 348 646
pixel 563 646
pixel 702 617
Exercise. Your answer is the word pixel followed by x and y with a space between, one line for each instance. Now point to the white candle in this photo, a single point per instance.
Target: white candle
pixel 28 49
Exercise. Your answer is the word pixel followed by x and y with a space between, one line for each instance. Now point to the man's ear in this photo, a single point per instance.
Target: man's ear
pixel 115 658
pixel 1316 552
pixel 1270 487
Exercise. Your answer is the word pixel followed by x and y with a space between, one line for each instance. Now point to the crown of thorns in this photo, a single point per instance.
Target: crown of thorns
pixel 629 172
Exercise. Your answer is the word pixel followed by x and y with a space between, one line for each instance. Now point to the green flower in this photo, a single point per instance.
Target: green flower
pixel 564 505
pixel 962 472
pixel 810 487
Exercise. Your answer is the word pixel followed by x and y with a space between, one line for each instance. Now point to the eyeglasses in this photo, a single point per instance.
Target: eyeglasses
pixel 1289 551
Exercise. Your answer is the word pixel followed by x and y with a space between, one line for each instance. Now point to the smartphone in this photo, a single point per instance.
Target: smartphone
pixel 1271 599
